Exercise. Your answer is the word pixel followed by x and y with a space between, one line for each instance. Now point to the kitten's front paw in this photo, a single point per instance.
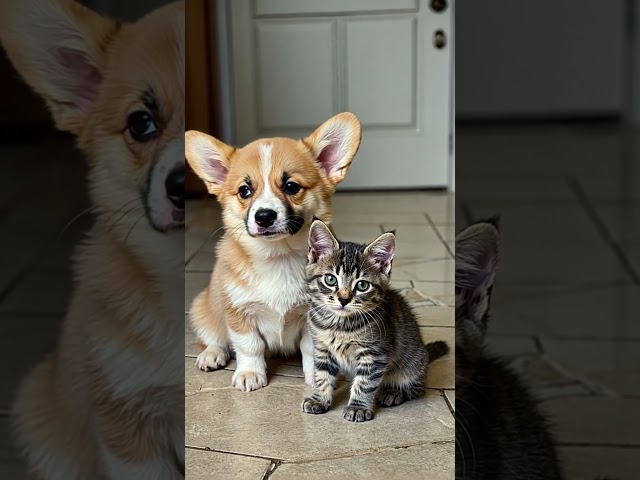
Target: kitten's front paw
pixel 311 405
pixel 357 414
pixel 247 381
pixel 392 398
pixel 309 378
pixel 212 358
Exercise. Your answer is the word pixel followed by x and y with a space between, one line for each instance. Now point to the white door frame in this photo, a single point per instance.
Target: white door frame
pixel 224 49
pixel 452 100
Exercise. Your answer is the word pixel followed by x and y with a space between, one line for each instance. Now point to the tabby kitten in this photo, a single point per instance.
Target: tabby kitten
pixel 500 433
pixel 362 327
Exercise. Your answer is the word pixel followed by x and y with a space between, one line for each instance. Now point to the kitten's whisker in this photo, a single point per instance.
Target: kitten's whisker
pixel 479 387
pixel 376 319
pixel 362 318
pixel 474 409
pixel 468 435
pixel 368 322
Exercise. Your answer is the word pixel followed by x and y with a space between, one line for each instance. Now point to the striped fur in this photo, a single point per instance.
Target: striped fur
pixel 365 330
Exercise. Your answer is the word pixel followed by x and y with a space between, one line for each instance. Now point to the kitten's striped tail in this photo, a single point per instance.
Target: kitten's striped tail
pixel 437 349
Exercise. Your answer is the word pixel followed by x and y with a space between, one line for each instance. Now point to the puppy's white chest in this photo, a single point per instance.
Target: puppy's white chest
pixel 280 283
pixel 273 287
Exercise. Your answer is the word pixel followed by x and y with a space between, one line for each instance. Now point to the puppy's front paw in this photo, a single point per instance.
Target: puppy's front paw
pixel 311 405
pixel 247 381
pixel 357 414
pixel 212 358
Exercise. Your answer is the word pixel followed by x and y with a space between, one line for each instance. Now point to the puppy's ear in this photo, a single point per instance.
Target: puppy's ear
pixel 60 49
pixel 335 143
pixel 381 251
pixel 321 241
pixel 209 158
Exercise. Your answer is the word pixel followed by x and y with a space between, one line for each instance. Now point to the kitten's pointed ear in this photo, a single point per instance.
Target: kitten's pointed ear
pixel 209 158
pixel 321 241
pixel 335 143
pixel 477 257
pixel 60 49
pixel 381 251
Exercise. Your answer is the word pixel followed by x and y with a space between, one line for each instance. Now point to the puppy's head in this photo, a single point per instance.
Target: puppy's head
pixel 120 89
pixel 273 187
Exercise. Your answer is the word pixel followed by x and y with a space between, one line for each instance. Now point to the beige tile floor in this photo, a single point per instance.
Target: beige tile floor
pixel 263 434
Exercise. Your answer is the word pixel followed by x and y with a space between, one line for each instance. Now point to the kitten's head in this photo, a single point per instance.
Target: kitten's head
pixel 476 264
pixel 348 279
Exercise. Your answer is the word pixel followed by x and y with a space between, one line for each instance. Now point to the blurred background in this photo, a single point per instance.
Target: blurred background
pixel 547 135
pixel 44 212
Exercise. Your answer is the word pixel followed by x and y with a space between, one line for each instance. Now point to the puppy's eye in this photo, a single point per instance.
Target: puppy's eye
pixel 141 126
pixel 291 188
pixel 362 285
pixel 330 280
pixel 244 191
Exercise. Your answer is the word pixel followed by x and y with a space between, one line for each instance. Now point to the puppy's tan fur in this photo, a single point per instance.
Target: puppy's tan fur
pixel 255 302
pixel 108 402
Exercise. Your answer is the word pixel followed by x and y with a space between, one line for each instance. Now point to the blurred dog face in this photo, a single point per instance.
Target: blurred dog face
pixel 273 187
pixel 134 133
pixel 120 90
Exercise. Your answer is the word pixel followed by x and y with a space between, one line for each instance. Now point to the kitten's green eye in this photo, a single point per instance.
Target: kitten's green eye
pixel 362 285
pixel 330 280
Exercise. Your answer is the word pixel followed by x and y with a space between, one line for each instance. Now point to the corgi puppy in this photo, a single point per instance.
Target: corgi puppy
pixel 108 402
pixel 270 191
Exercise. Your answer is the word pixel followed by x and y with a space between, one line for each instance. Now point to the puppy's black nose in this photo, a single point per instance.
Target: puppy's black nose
pixel 343 301
pixel 265 218
pixel 174 185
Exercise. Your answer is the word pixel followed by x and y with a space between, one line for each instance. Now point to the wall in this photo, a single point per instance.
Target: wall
pixel 578 51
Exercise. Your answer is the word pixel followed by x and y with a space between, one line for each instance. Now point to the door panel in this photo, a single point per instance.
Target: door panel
pixel 298 63
pixel 308 98
pixel 394 41
pixel 329 7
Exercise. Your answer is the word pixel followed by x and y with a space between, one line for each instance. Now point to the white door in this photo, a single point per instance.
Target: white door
pixel 298 62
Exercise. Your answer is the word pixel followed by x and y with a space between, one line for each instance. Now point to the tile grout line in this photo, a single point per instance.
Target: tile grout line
pixel 276 462
pixel 607 237
pixel 249 455
pixel 562 291
pixel 272 468
pixel 597 444
pixel 446 400
pixel 364 453
pixel 197 250
pixel 569 338
pixel 439 235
